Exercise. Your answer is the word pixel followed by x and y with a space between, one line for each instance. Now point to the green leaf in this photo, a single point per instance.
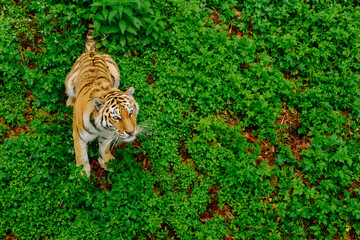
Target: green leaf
pixel 112 2
pixel 146 41
pixel 112 14
pixel 122 25
pixel 94 9
pixel 129 13
pixel 110 29
pixel 121 10
pixel 131 30
pixel 298 191
pixel 105 13
pixel 95 4
pixel 139 4
pixel 137 23
pixel 280 159
pixel 123 41
pixel 99 17
pixel 97 25
pixel 349 161
pixel 148 31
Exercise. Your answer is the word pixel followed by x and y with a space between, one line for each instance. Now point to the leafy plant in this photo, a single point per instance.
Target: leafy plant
pixel 251 111
pixel 130 22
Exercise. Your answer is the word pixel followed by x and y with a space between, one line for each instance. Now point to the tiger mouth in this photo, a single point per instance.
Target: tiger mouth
pixel 128 139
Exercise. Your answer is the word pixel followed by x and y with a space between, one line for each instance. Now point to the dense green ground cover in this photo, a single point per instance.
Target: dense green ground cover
pixel 252 109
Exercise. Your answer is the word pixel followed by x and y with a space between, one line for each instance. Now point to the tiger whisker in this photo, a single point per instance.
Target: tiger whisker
pixel 115 141
pixel 145 129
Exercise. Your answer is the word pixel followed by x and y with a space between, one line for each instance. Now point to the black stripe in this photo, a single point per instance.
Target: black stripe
pixel 100 77
pixel 93 92
pixel 104 72
pixel 101 61
pixel 111 62
pixel 112 94
pixel 106 122
pixel 107 87
pixel 88 131
pixel 77 130
pixel 87 64
pixel 90 89
pixel 82 58
pixel 101 140
pixel 86 85
pixel 92 121
pixel 102 119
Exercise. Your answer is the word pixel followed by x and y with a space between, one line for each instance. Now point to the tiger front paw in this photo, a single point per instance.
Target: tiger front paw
pixel 103 163
pixel 86 170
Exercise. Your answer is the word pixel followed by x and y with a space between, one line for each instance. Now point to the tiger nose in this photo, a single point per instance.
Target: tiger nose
pixel 130 132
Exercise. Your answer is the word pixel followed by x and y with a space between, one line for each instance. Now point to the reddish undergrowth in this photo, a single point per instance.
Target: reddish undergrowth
pixel 140 157
pixel 231 28
pixel 101 175
pixel 213 209
pixel 15 130
pixel 294 140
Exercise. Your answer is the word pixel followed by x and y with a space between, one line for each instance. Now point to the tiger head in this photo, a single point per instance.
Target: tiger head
pixel 118 111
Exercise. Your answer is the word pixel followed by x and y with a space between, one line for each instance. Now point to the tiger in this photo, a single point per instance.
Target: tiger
pixel 100 110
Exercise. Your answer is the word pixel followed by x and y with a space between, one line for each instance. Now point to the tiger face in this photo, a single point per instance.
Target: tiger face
pixel 118 111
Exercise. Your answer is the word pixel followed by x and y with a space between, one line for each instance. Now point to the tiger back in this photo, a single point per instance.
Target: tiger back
pixel 100 110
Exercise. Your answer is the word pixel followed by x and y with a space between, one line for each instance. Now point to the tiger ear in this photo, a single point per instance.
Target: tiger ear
pixel 98 103
pixel 130 91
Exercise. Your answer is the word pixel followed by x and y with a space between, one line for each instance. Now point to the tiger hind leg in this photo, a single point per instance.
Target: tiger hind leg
pixel 104 149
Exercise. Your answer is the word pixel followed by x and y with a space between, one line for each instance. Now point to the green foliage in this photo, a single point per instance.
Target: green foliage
pixel 221 156
pixel 127 23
